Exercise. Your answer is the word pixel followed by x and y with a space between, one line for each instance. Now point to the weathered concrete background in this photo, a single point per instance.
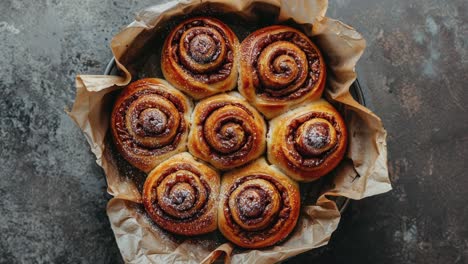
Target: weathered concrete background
pixel 52 194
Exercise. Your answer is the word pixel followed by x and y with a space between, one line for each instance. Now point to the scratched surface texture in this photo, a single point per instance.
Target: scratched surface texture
pixel 414 71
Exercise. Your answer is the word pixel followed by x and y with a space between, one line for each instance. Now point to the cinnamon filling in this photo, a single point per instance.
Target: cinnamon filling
pixel 203 51
pixel 311 138
pixel 180 194
pixel 229 130
pixel 147 129
pixel 315 137
pixel 152 121
pixel 257 207
pixel 286 66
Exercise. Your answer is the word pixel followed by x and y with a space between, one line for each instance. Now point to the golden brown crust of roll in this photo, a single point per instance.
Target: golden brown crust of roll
pixel 200 57
pixel 307 142
pixel 280 68
pixel 259 205
pixel 226 131
pixel 181 196
pixel 150 122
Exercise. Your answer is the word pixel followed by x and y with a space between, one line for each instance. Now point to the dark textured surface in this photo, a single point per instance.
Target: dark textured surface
pixel 52 193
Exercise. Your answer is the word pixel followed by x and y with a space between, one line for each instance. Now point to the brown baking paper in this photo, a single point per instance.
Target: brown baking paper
pixel 362 174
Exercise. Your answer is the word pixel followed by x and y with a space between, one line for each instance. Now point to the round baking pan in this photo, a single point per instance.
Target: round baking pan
pixel 355 90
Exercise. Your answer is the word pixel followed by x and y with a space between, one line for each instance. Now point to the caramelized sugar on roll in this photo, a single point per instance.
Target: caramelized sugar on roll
pixel 200 57
pixel 280 68
pixel 307 142
pixel 260 205
pixel 181 196
pixel 150 122
pixel 226 131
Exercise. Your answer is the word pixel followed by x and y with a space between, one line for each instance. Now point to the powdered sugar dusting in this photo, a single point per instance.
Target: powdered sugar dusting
pixel 251 204
pixel 316 137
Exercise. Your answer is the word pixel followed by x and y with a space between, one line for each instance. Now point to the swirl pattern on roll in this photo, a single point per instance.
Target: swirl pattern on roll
pixel 260 206
pixel 200 57
pixel 150 122
pixel 181 196
pixel 227 132
pixel 308 142
pixel 280 68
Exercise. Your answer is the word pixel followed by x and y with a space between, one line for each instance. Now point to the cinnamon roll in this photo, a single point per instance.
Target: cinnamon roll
pixel 307 142
pixel 181 196
pixel 259 206
pixel 200 57
pixel 150 122
pixel 280 68
pixel 226 131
